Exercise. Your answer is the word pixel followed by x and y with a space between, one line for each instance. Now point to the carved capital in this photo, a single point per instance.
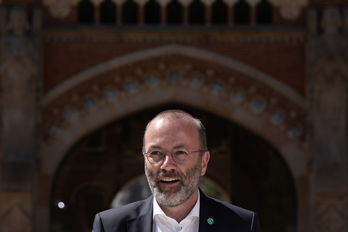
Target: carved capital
pixel 119 2
pixel 96 2
pixel 141 2
pixel 59 8
pixel 253 3
pixel 289 9
pixel 185 3
pixel 163 3
pixel 230 3
pixel 208 3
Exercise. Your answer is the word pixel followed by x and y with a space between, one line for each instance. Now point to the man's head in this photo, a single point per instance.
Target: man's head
pixel 174 134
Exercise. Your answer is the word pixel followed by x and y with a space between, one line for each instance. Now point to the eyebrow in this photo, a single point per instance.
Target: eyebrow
pixel 176 147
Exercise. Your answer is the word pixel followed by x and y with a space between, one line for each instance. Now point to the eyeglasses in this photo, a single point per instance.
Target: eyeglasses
pixel 179 156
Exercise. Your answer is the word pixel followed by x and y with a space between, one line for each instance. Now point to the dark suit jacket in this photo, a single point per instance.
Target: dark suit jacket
pixel 137 217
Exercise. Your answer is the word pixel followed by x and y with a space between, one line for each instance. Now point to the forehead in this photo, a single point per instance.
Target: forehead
pixel 172 131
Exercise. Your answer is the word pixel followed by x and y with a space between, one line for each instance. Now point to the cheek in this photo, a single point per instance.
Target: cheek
pixel 150 169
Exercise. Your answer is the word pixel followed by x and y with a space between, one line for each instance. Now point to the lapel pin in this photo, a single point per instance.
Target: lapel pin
pixel 210 221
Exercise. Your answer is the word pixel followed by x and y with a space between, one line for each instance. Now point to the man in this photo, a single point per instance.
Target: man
pixel 176 156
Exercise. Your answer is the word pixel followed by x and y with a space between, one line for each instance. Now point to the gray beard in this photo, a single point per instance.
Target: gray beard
pixel 178 195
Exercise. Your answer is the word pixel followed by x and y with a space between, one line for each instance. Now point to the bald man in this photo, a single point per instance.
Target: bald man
pixel 176 156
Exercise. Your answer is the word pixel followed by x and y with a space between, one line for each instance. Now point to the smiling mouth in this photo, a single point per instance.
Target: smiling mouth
pixel 169 180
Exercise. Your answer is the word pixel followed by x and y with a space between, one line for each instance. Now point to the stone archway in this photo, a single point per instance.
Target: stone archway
pixel 181 74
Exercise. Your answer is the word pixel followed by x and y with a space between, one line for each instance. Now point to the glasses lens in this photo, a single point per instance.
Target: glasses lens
pixel 155 156
pixel 180 155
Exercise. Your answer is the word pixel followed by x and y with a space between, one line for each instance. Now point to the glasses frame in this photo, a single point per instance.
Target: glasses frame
pixel 171 154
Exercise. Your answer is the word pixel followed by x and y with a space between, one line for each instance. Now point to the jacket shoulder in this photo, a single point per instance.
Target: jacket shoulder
pixel 115 219
pixel 120 212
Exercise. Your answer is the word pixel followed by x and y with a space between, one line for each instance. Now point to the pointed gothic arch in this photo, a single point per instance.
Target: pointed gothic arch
pixel 137 92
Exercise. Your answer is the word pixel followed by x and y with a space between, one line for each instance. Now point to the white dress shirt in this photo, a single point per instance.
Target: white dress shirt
pixel 162 223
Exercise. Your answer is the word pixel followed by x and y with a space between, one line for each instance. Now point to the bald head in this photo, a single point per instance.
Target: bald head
pixel 185 118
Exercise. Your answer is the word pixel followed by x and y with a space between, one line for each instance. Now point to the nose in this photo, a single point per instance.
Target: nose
pixel 168 162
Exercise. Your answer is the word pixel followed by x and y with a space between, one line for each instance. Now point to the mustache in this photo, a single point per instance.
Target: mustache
pixel 164 173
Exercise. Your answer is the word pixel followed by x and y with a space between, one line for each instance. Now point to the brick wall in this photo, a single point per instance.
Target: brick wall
pixel 286 62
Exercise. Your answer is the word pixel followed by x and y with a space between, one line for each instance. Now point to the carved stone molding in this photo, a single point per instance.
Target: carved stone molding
pixel 178 36
pixel 290 9
pixel 205 78
pixel 331 213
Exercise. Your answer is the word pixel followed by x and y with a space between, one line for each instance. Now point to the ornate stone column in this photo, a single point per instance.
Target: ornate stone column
pixel 19 82
pixel 327 94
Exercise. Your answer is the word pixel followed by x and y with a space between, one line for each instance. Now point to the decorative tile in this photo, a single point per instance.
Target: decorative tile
pixel 174 76
pixel 69 114
pixel 217 88
pixel 196 81
pixel 258 105
pixel 277 117
pixel 238 95
pixel 109 94
pixel 89 103
pixel 52 129
pixel 152 80
pixel 294 131
pixel 131 86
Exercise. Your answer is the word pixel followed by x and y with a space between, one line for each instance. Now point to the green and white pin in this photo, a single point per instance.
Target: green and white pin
pixel 210 221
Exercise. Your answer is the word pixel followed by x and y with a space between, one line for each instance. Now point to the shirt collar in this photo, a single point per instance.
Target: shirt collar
pixel 193 213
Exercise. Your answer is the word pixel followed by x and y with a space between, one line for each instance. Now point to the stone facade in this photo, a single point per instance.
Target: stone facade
pixel 61 82
pixel 327 86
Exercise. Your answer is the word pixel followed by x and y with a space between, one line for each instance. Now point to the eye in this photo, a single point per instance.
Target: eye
pixel 155 153
pixel 180 153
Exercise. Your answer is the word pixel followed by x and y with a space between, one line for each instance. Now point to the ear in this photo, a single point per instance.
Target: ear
pixel 205 160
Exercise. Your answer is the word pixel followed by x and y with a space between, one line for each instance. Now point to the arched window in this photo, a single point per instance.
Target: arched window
pixel 174 12
pixel 219 12
pixel 129 12
pixel 85 12
pixel 196 11
pixel 107 12
pixel 152 12
pixel 264 12
pixel 241 12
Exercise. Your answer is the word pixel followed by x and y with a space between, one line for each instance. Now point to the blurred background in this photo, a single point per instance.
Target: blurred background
pixel 80 79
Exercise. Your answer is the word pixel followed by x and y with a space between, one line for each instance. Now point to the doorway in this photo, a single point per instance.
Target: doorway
pixel 247 168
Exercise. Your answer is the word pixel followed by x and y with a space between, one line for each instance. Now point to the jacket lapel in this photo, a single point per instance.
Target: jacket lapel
pixel 142 218
pixel 210 219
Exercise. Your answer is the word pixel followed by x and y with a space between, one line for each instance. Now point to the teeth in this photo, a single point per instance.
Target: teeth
pixel 169 179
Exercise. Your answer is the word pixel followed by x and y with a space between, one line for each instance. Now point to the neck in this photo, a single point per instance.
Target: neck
pixel 181 211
